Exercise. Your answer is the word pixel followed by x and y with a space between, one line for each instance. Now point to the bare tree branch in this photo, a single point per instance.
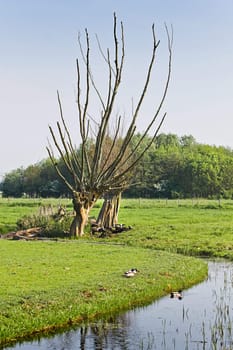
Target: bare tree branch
pixel 105 163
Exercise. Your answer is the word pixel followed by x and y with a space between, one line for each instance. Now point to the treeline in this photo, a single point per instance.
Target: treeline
pixel 174 167
pixel 179 167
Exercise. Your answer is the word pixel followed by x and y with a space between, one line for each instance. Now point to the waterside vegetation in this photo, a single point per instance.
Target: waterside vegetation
pixel 50 285
pixel 47 286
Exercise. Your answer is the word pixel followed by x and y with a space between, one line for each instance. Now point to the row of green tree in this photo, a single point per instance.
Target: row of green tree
pixel 173 167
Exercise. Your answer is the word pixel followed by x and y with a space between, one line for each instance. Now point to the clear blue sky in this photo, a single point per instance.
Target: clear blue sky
pixel 38 42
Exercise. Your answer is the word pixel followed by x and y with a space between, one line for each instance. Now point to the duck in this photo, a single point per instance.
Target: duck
pixel 177 295
pixel 131 272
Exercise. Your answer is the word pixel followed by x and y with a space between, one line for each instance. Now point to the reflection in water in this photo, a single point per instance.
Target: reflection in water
pixel 201 320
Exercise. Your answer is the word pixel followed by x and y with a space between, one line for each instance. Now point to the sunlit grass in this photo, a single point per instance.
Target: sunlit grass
pixel 47 285
pixel 205 229
pixel 193 226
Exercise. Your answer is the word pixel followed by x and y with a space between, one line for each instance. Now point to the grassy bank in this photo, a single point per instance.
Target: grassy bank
pixel 198 228
pixel 50 285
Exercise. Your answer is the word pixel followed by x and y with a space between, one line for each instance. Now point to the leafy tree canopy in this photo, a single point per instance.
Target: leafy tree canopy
pixel 173 167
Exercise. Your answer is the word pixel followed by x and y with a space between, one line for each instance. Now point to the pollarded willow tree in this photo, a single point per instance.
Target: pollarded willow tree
pixel 103 165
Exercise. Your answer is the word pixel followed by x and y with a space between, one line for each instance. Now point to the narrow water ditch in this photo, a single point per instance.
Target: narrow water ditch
pixel 203 319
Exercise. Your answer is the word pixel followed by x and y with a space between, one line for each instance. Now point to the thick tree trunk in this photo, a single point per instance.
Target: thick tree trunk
pixel 82 203
pixel 108 216
pixel 79 222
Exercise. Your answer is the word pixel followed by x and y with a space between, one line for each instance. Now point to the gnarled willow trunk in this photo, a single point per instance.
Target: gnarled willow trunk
pixel 107 154
pixel 108 216
pixel 82 203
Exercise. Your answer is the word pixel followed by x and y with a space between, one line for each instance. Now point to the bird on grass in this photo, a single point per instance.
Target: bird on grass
pixel 131 272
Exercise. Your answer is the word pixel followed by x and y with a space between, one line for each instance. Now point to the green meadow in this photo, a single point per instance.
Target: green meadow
pixel 50 285
pixel 194 228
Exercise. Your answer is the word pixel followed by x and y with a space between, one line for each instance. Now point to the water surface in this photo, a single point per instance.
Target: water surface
pixel 203 319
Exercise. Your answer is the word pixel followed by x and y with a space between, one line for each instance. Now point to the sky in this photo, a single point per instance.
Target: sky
pixel 39 47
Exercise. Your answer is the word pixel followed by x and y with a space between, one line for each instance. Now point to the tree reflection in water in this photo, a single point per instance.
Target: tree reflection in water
pixel 98 336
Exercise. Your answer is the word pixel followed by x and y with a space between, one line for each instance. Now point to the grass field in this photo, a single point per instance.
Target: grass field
pixel 200 228
pixel 50 285
pixel 191 227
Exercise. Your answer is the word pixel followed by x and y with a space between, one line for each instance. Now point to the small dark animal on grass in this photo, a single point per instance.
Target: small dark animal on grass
pixel 131 273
